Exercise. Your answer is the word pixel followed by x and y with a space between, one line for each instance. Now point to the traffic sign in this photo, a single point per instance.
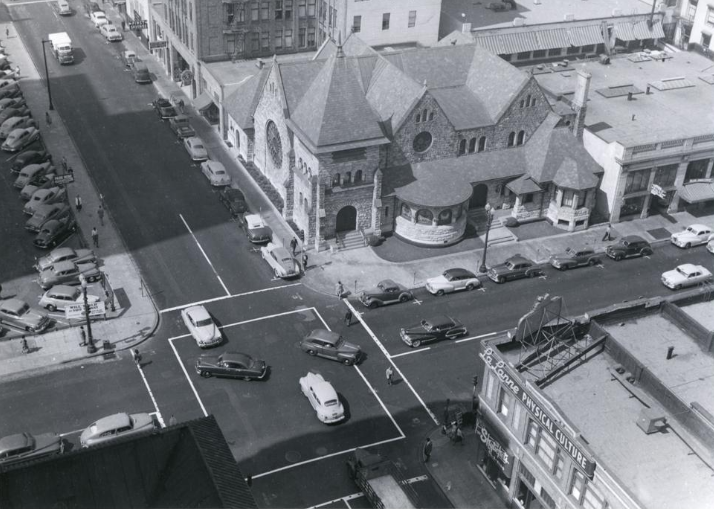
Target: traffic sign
pixel 76 311
pixel 138 24
pixel 157 44
pixel 64 179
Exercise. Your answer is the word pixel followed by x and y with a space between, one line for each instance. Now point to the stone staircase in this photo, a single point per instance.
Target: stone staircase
pixel 348 240
pixel 498 234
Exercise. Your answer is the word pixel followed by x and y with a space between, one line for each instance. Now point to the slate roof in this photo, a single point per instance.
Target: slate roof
pixel 241 104
pixel 523 185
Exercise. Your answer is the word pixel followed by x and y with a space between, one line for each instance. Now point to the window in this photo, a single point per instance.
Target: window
pixel 306 204
pixel 521 137
pixel 422 141
pixel 696 170
pixel 577 485
pixel 710 16
pixel 311 8
pixel 511 139
pixel 405 211
pixel 265 40
pixel 445 217
pixel 533 102
pixel 546 450
pixel 301 37
pixel 264 10
pixel 288 38
pixel 348 178
pixel 489 384
pixel 528 101
pixel 505 400
pixel 482 144
pixel 254 41
pixel 573 50
pixel 278 9
pixel 462 147
pixel 539 53
pixel 300 197
pixel 302 8
pixel 516 417
pixel 637 180
pixel 254 12
pixel 228 13
pixel 528 198
pixel 311 37
pixel 424 216
pixel 278 39
pixel 523 55
pixel 593 499
pixel 330 17
pixel 357 24
pixel 431 115
pixel 522 103
pixel 386 211
pixel 424 115
pixel 418 118
pixel 472 145
pixel 665 175
pixel 358 176
pixel 555 52
pixel 568 198
pixel 385 21
pixel 559 466
pixel 288 12
pixel 582 198
pixel 412 19
pixel 336 180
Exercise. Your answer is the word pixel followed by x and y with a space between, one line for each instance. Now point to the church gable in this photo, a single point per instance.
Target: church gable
pixel 525 113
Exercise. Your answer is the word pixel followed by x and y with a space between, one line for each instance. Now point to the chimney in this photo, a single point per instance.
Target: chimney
pixel 580 103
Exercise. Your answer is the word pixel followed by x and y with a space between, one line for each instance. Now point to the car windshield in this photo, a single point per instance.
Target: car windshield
pixel 509 264
pixel 219 172
pixel 198 146
pixel 24 309
pixel 682 272
pixel 427 325
pixel 204 323
pixel 331 402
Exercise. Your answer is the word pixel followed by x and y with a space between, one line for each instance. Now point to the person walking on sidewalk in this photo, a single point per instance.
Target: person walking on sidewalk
pixel 428 446
pixel 339 289
pixel 64 164
pixel 25 348
pixel 293 245
pixel 304 261
pixel 83 335
pixel 607 237
pixel 95 237
pixel 100 213
pixel 390 375
pixel 78 203
pixel 348 318
pixel 136 356
pixel 181 105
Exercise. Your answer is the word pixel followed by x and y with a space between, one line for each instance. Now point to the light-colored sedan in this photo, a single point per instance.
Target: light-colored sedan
pixel 110 33
pixel 60 296
pixel 32 172
pixel 65 254
pixel 20 138
pixel 18 313
pixel 216 174
pixel 68 273
pixel 452 280
pixel 13 123
pixel 686 275
pixel 99 19
pixel 323 398
pixel 117 426
pixel 44 196
pixel 694 235
pixel 201 326
pixel 284 265
pixel 194 147
pixel 710 246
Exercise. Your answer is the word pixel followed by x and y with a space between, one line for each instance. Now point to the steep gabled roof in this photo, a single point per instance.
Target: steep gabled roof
pixel 297 77
pixel 392 93
pixel 463 109
pixel 352 47
pixel 241 104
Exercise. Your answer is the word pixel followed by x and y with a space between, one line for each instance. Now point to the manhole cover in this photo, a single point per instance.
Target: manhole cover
pixel 293 456
pixel 321 451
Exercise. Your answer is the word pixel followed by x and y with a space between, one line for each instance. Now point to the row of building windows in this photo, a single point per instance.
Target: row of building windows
pixel 283 9
pixel 528 102
pixel 424 116
pixel 516 140
pixel 357 21
pixel 472 145
pixel 346 179
pixel 553 52
pixel 425 216
pixel 282 39
pixel 304 168
pixel 664 176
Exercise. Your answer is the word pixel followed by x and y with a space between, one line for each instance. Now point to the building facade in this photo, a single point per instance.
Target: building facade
pixel 695 26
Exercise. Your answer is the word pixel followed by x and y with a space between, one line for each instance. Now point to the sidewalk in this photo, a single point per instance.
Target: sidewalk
pixel 135 317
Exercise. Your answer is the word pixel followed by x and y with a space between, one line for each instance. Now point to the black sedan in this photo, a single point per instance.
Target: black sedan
pixel 233 200
pixel 55 231
pixel 164 109
pixel 232 365
pixel 432 330
pixel 515 267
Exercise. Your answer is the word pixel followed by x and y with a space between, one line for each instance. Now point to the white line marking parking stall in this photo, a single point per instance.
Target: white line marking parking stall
pixel 204 254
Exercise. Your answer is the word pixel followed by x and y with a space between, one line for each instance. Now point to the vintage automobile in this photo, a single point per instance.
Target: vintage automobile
pixel 194 147
pixel 99 19
pixel 201 326
pixel 515 267
pixel 60 296
pixel 255 229
pixel 117 426
pixel 452 280
pixel 163 108
pixel 686 275
pixel 330 345
pixel 43 196
pixel 55 231
pixel 13 123
pixel 111 33
pixel 26 446
pixel 710 246
pixel 68 273
pixel 12 102
pixel 323 398
pixel 12 91
pixel 20 138
pixel 42 182
pixel 181 126
pixel 431 330
pixel 44 213
pixel 128 57
pixel 18 313
pixel 65 254
pixel 386 292
pixel 694 235
pixel 573 258
pixel 216 174
pixel 284 265
pixel 232 365
pixel 29 157
pixel 9 113
pixel 234 200
pixel 629 247
pixel 32 172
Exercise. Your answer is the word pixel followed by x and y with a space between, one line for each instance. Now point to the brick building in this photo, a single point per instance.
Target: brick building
pixel 408 142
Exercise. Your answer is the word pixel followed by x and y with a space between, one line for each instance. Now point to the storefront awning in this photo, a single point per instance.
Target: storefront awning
pixel 533 40
pixel 639 31
pixel 203 102
pixel 697 191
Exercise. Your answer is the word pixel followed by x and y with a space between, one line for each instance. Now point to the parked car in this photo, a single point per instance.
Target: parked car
pixel 232 365
pixel 694 235
pixel 323 398
pixel 233 200
pixel 194 147
pixel 140 71
pixel 330 345
pixel 13 123
pixel 60 296
pixel 181 126
pixel 31 172
pixel 515 267
pixel 201 326
pixel 42 182
pixel 99 19
pixel 55 231
pixel 255 228
pixel 68 273
pixel 686 275
pixel 117 426
pixel 12 102
pixel 7 113
pixel 710 246
pixel 573 258
pixel 42 196
pixel 452 280
pixel 11 91
pixel 20 138
pixel 128 57
pixel 431 330
pixel 65 254
pixel 216 174
pixel 629 247
pixel 26 446
pixel 18 313
pixel 284 265
pixel 386 292
pixel 29 157
pixel 163 108
pixel 44 213
pixel 110 33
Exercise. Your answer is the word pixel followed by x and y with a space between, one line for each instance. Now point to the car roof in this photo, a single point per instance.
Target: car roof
pixel 13 304
pixel 63 289
pixel 243 358
pixel 440 320
pixel 63 265
pixel 387 282
pixel 632 238
pixel 198 312
pixel 42 192
pixel 12 442
pixel 281 252
pixel 458 272
pixel 233 193
pixel 699 227
pixel 254 221
pixel 517 258
pixel 325 335
pixel 214 165
pixel 120 420
pixel 179 117
pixel 62 251
pixel 690 267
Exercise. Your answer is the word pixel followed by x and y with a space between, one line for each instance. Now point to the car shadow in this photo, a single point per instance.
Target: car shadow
pixel 345 407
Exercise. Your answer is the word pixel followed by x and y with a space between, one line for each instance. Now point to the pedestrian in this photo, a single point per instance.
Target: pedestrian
pixel 64 164
pixel 83 335
pixel 607 237
pixel 390 375
pixel 48 118
pixel 100 213
pixel 348 318
pixel 95 237
pixel 101 199
pixel 428 446
pixel 7 32
pixel 339 289
pixel 459 436
pixel 293 245
pixel 304 261
pixel 181 105
pixel 25 348
pixel 78 203
pixel 172 420
pixel 136 356
pixel 123 26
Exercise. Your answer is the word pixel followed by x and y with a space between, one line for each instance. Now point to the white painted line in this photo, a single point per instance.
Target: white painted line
pixel 410 352
pixel 418 478
pixel 478 337
pixel 347 504
pixel 389 358
pixel 204 254
pixel 224 297
pixel 203 408
pixel 151 395
pixel 319 458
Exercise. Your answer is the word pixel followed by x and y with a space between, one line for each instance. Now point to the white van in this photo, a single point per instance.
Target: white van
pixel 64 8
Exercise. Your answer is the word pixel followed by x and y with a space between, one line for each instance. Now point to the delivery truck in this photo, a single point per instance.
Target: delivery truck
pixel 381 481
pixel 61 46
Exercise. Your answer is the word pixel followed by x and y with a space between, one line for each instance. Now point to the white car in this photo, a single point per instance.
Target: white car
pixel 201 326
pixel 13 123
pixel 99 19
pixel 216 174
pixel 284 265
pixel 194 147
pixel 116 426
pixel 110 33
pixel 323 398
pixel 452 280
pixel 42 196
pixel 686 275
pixel 20 138
pixel 694 235
pixel 60 296
pixel 710 246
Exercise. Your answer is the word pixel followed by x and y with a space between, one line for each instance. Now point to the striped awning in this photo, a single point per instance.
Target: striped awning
pixel 639 31
pixel 534 40
pixel 697 191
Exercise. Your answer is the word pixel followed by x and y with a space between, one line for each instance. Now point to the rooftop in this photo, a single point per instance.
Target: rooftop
pixel 683 110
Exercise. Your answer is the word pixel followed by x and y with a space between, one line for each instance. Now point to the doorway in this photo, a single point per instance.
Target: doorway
pixel 479 196
pixel 346 219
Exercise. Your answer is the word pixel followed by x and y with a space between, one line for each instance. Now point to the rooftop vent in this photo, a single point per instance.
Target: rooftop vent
pixel 569 17
pixel 651 422
pixel 672 83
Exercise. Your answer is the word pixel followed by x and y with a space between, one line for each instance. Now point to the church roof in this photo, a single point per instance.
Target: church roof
pixel 241 104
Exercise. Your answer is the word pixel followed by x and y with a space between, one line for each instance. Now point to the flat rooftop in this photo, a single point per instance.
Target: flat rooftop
pixel 702 312
pixel 684 108
pixel 548 11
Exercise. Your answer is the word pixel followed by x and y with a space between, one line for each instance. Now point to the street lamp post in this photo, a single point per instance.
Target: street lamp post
pixel 47 74
pixel 489 220
pixel 90 340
